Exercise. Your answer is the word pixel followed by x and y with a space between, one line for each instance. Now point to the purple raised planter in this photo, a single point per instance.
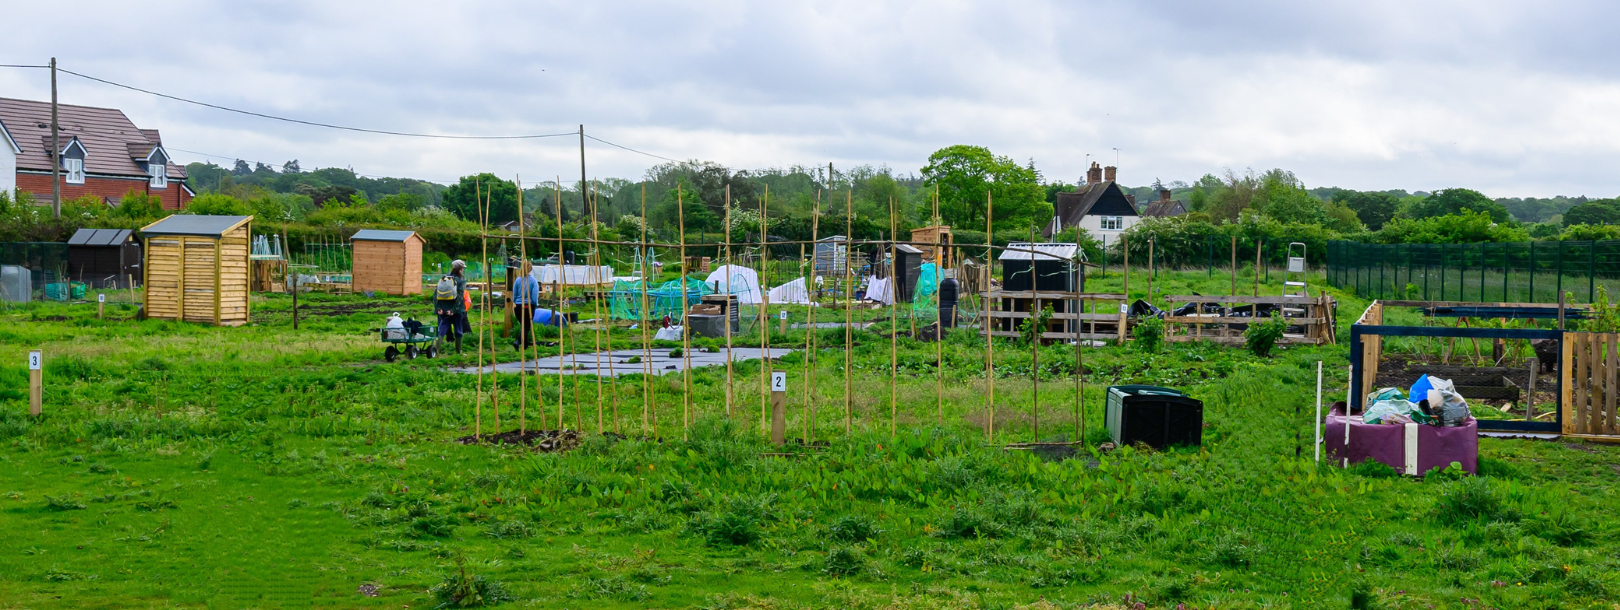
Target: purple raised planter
pixel 1436 446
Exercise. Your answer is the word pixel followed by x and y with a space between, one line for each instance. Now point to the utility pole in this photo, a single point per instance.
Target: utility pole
pixel 581 173
pixel 56 151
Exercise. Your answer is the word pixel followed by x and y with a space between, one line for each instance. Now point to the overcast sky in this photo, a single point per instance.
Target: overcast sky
pixel 1513 99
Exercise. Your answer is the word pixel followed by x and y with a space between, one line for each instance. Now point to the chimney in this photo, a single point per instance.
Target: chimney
pixel 1108 173
pixel 1164 195
pixel 1094 175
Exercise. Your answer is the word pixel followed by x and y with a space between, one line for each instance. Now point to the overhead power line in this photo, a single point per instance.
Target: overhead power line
pixel 313 123
pixel 20 66
pixel 630 149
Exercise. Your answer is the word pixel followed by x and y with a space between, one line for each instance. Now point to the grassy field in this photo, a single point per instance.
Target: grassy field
pixel 180 465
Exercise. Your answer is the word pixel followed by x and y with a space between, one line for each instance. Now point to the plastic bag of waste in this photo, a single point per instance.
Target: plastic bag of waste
pixel 1386 411
pixel 672 333
pixel 1447 405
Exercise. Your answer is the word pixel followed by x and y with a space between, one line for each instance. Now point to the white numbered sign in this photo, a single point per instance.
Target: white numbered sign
pixel 1123 308
pixel 778 381
pixel 101 298
pixel 784 314
pixel 33 360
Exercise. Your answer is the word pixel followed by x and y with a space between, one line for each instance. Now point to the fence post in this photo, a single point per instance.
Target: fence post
pixel 1591 271
pixel 1505 270
pixel 1381 266
pixel 1532 298
pixel 1560 269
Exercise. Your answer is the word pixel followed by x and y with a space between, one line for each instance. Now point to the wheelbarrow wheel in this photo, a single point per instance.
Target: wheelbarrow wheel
pixel 410 352
pixel 431 351
pixel 391 353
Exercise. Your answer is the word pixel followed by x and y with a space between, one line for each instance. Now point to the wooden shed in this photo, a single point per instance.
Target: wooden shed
pixel 389 262
pixel 197 269
pixel 940 234
pixel 104 258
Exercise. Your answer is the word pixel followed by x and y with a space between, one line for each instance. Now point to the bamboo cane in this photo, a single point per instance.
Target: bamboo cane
pixel 523 343
pixel 894 323
pixel 613 377
pixel 596 264
pixel 729 311
pixel 649 418
pixel 562 306
pixel 764 324
pixel 686 334
pixel 989 338
pixel 939 321
pixel 811 331
pixel 849 311
pixel 478 201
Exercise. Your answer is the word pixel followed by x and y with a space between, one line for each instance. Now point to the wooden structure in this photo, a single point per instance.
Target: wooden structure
pixel 924 238
pixel 1589 388
pixel 1310 319
pixel 1009 309
pixel 1366 354
pixel 269 275
pixel 196 269
pixel 104 257
pixel 387 262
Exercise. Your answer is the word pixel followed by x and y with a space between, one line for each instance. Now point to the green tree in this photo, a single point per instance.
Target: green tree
pixel 215 204
pixel 136 205
pixel 1453 201
pixel 1373 208
pixel 966 175
pixel 1599 212
pixel 1466 227
pixel 463 199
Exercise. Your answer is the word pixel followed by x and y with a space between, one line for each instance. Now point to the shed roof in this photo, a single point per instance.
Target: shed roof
pixel 188 224
pixel 380 235
pixel 1020 251
pixel 99 237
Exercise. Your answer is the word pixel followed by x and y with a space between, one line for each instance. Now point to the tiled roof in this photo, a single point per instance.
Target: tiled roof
pixel 107 136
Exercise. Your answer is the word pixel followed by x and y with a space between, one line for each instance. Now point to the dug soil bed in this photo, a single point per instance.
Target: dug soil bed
pixel 541 440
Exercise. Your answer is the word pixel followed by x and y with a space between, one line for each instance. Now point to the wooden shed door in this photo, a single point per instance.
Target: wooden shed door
pixel 200 280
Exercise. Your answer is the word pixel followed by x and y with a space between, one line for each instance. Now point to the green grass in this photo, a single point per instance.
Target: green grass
pixel 191 466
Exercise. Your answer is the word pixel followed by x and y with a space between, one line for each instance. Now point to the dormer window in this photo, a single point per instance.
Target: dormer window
pixel 160 175
pixel 74 169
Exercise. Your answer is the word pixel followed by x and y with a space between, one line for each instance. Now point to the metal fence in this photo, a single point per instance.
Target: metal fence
pixel 1523 272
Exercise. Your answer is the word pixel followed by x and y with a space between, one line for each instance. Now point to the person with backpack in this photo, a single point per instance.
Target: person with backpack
pixel 525 296
pixel 450 302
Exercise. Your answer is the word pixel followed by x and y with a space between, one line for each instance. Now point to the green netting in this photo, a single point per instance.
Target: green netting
pixel 924 302
pixel 666 300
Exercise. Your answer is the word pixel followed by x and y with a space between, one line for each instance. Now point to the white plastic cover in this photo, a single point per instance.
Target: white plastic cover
pixel 792 292
pixel 737 280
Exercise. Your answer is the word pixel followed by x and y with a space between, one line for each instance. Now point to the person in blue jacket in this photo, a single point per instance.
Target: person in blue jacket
pixel 525 296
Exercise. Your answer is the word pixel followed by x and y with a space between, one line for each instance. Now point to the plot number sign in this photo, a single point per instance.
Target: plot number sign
pixel 36 383
pixel 778 381
pixel 783 315
pixel 101 298
pixel 1123 308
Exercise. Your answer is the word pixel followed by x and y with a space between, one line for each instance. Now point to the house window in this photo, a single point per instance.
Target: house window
pixel 160 175
pixel 1113 223
pixel 75 170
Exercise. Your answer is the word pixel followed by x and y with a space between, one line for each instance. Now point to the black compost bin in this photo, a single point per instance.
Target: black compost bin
pixel 1160 417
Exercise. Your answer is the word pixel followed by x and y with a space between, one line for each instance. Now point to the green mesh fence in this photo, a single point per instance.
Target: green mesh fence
pixel 668 299
pixel 925 300
pixel 1521 272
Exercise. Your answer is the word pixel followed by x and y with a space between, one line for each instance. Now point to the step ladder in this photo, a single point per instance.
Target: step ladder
pixel 1295 277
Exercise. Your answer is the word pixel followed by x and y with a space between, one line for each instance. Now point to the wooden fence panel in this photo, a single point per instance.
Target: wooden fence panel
pixel 1592 387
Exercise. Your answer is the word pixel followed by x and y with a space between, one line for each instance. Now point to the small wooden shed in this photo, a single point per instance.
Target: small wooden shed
pixel 104 257
pixel 197 269
pixel 940 234
pixel 389 262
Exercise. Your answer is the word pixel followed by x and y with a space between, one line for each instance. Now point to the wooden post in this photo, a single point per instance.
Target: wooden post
pixel 1254 309
pixel 781 323
pixel 101 304
pixel 778 407
pixel 1035 342
pixel 36 383
pixel 939 323
pixel 1234 265
pixel 484 243
pixel 1152 270
pixel 131 280
pixel 595 262
pixel 1125 246
pixel 1530 395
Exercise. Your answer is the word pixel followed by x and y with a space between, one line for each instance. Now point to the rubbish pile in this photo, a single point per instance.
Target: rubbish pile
pixel 1438 404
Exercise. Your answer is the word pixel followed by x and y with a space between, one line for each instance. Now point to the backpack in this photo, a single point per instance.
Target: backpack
pixel 446 290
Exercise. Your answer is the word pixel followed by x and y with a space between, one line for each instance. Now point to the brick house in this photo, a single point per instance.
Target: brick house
pixel 1099 206
pixel 103 155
